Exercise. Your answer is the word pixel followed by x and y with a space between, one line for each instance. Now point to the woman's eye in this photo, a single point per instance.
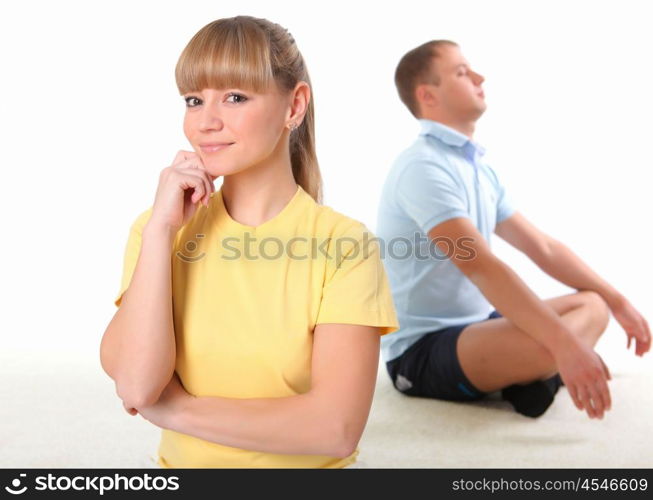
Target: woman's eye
pixel 232 98
pixel 237 98
pixel 188 99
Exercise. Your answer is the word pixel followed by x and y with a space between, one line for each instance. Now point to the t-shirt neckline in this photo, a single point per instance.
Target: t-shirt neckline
pixel 226 219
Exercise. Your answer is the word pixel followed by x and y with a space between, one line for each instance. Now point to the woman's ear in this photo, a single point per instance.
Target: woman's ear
pixel 300 97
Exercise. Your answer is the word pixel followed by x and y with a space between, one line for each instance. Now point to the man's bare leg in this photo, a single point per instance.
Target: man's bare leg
pixel 495 353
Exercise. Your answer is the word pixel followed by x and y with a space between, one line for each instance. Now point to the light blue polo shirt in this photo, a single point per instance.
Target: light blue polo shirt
pixel 440 176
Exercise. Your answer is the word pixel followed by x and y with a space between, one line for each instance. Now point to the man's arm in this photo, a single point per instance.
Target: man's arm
pixel 559 262
pixel 327 420
pixel 503 288
pixel 580 368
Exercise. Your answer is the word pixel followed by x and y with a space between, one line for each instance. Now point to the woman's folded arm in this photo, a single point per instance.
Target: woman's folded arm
pixel 327 420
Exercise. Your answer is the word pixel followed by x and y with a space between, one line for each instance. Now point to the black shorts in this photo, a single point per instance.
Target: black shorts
pixel 430 367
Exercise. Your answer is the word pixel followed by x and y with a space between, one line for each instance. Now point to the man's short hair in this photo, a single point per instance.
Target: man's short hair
pixel 416 67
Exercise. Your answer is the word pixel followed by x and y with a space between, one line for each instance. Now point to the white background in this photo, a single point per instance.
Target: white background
pixel 90 114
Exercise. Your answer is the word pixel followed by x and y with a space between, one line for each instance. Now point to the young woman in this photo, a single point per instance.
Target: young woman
pixel 249 318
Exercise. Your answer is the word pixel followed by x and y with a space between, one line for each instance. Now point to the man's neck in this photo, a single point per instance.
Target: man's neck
pixel 464 127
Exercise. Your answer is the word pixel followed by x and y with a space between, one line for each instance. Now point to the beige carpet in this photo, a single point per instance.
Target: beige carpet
pixel 62 412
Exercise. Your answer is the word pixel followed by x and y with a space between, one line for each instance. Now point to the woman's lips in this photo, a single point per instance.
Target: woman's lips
pixel 213 149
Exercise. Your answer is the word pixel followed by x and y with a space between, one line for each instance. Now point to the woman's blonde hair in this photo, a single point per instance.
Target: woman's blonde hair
pixel 250 53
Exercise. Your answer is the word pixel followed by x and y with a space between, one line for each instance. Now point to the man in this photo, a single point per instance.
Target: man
pixel 442 197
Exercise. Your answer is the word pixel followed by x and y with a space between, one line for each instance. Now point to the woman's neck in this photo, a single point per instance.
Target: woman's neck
pixel 258 193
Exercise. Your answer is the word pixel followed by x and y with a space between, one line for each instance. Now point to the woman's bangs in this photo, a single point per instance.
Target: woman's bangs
pixel 227 59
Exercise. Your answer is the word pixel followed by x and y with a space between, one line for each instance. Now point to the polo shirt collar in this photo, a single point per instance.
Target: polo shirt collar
pixel 449 136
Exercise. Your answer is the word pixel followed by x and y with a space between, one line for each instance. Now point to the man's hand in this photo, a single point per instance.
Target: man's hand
pixel 585 375
pixel 173 399
pixel 634 324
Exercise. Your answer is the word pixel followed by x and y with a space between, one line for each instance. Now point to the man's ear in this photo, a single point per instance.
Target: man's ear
pixel 425 95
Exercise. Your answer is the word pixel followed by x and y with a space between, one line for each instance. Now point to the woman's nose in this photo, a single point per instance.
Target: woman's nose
pixel 211 118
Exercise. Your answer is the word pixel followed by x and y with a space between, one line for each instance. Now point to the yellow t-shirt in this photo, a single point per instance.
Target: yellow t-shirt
pixel 245 303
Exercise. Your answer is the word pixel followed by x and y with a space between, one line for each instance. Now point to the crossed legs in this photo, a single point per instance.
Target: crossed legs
pixel 495 353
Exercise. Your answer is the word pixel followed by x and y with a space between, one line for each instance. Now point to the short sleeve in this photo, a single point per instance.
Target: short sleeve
pixel 356 289
pixel 429 194
pixel 505 206
pixel 132 251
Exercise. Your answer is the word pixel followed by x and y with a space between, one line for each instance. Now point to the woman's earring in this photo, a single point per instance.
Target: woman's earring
pixel 292 126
